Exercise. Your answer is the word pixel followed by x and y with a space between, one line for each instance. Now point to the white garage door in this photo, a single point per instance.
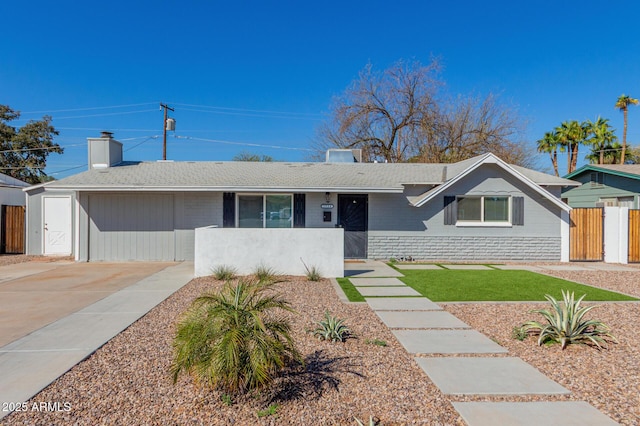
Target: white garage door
pixel 131 227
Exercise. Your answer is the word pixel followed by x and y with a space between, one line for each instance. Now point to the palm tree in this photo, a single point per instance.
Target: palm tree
pixel 570 135
pixel 622 104
pixel 550 143
pixel 603 141
pixel 237 339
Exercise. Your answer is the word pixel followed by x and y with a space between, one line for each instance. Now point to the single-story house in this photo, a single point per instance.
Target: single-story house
pixel 604 185
pixel 478 209
pixel 11 196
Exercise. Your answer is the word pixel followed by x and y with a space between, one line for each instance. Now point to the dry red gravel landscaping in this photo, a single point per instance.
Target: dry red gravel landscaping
pixel 127 381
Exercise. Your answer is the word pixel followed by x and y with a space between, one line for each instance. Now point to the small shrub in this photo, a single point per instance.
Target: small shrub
pixel 269 411
pixel 331 328
pixel 235 340
pixel 519 333
pixel 226 399
pixel 376 342
pixel 373 421
pixel 566 323
pixel 313 273
pixel 224 273
pixel 264 274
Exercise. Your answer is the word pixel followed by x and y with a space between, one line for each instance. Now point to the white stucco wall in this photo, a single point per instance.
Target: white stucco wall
pixel 283 250
pixel 616 234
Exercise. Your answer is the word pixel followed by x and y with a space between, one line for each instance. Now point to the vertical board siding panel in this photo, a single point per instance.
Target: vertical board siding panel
pixel 634 236
pixel 586 234
pixel 13 230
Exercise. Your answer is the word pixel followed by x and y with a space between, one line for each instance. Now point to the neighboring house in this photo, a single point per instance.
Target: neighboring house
pixel 477 209
pixel 600 185
pixel 11 195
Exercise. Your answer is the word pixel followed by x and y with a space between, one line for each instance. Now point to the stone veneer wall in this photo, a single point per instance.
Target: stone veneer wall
pixel 465 248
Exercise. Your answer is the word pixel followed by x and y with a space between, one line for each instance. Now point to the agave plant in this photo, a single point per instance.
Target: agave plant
pixel 233 340
pixel 331 328
pixel 566 323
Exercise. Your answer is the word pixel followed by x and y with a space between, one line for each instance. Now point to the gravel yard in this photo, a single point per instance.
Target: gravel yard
pixel 11 259
pixel 127 380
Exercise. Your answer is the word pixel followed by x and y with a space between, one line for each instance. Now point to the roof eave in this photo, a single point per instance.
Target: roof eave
pixel 491 159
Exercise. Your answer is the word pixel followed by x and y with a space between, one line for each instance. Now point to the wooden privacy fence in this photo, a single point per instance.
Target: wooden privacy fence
pixel 586 236
pixel 12 229
pixel 634 236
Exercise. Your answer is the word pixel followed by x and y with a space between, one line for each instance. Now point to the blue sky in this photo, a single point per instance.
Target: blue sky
pixel 260 76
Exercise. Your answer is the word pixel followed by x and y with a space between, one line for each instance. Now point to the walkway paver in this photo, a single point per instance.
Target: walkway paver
pixel 418 319
pixel 468 267
pixel 447 342
pixel 369 268
pixel 423 328
pixel 427 267
pixel 402 304
pixel 488 376
pixel 531 268
pixel 32 362
pixel 387 291
pixel 376 282
pixel 556 413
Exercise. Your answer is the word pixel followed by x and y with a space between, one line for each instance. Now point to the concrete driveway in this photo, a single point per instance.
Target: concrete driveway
pixel 35 294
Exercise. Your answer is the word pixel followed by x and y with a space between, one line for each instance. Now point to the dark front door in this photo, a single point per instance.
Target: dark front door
pixel 352 216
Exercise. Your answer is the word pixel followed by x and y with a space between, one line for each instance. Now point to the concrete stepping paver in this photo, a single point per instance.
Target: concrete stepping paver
pixel 468 267
pixel 420 319
pixel 377 282
pixel 531 268
pixel 387 291
pixel 417 266
pixel 549 413
pixel 369 269
pixel 446 342
pixel 402 304
pixel 488 376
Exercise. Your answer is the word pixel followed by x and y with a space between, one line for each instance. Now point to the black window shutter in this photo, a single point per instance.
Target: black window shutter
pixel 450 210
pixel 298 210
pixel 517 213
pixel 229 210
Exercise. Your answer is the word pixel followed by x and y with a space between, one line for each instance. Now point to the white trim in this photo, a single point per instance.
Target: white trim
pixel 470 224
pixel 564 236
pixel 76 225
pixel 492 159
pixel 482 221
pixel 264 208
pixel 237 189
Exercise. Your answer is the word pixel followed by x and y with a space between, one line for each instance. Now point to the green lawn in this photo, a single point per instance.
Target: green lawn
pixel 349 290
pixel 496 285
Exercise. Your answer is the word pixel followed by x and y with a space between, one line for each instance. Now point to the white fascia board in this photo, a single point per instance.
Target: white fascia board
pixel 492 159
pixel 223 189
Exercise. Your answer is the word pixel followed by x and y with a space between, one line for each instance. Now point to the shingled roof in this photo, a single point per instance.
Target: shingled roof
pixel 274 176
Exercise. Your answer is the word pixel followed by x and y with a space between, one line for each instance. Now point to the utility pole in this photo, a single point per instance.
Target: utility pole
pixel 164 130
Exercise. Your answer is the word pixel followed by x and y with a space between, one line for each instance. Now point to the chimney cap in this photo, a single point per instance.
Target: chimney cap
pixel 106 134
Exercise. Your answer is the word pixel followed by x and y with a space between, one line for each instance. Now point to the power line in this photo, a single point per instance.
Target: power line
pixel 242 114
pixel 245 143
pixel 87 109
pixel 249 110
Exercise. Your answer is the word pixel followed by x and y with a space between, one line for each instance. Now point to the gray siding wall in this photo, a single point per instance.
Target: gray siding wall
pixel 194 210
pixel 613 186
pixel 397 229
pixel 313 210
pixel 131 227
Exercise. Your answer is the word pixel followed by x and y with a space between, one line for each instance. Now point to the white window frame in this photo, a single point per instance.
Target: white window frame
pixel 264 207
pixel 481 223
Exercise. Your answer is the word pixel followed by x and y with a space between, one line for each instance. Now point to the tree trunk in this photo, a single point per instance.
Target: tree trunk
pixel 554 161
pixel 624 136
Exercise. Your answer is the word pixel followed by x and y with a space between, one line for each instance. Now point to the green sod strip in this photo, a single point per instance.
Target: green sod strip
pixel 498 286
pixel 349 289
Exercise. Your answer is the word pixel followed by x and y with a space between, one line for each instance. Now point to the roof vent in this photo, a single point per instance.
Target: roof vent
pixel 344 156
